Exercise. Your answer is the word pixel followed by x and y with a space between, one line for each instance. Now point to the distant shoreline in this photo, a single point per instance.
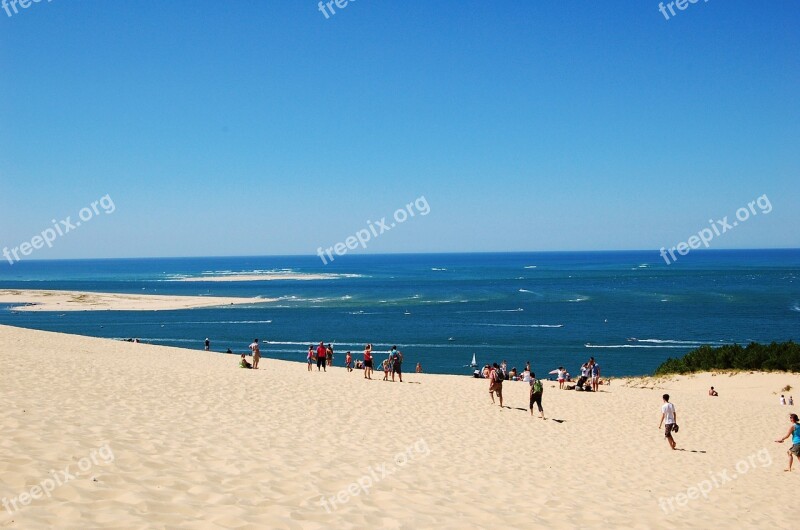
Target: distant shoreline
pixel 49 300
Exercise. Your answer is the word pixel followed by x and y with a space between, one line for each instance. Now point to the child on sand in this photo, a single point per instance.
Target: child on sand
pixel 368 362
pixel 348 361
pixel 794 433
pixel 562 377
pixel 712 392
pixel 310 358
pixel 243 363
pixel 386 369
pixel 668 413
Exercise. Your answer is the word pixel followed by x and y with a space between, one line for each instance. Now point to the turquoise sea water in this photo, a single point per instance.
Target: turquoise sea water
pixel 627 309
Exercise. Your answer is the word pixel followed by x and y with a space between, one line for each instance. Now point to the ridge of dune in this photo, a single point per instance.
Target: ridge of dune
pixel 199 443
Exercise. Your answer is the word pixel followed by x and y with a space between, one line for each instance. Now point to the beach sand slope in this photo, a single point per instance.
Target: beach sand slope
pixel 199 443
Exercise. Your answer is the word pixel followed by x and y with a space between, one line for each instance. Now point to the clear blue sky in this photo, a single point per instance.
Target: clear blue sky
pixel 231 128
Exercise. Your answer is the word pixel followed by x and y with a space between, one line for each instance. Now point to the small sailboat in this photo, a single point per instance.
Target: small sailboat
pixel 474 363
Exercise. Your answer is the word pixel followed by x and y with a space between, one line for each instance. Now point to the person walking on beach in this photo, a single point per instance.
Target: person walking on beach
pixel 419 368
pixel 256 353
pixel 348 361
pixel 496 383
pixel 791 401
pixel 794 433
pixel 368 362
pixel 783 400
pixel 322 353
pixel 537 388
pixel 310 358
pixel 669 415
pixel 397 363
pixel 329 355
pixel 208 344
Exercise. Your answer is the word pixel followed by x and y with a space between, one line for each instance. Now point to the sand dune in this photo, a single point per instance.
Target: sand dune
pixel 36 300
pixel 200 443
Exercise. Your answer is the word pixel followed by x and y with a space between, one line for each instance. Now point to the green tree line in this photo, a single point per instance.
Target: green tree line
pixel 766 357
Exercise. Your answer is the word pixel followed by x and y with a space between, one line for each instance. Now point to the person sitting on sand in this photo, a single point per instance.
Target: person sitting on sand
pixel 359 365
pixel 513 374
pixel 526 375
pixel 243 363
pixel 794 432
pixel 348 361
pixel 496 383
pixel 712 392
pixel 486 372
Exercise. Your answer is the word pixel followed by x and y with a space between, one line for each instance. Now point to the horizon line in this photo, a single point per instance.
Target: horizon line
pixel 452 253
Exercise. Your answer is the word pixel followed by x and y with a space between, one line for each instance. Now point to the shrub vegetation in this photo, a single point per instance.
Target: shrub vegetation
pixel 783 357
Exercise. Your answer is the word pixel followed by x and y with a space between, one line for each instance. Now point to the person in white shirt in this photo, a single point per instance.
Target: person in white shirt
pixel 783 400
pixel 668 413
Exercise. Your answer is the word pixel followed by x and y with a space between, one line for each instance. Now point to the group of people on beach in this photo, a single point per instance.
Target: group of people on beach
pixel 392 365
pixel 496 374
pixel 322 355
pixel 669 419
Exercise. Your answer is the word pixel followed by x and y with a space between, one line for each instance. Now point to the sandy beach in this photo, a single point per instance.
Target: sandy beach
pixel 100 433
pixel 36 300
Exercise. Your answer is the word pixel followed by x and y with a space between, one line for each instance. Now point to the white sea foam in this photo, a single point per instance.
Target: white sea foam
pixel 517 310
pixel 670 341
pixel 529 267
pixel 587 345
pixel 523 325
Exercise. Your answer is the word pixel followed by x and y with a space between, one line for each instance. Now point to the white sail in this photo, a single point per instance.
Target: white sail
pixel 474 362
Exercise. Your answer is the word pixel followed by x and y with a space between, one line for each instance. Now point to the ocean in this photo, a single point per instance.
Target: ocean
pixel 629 310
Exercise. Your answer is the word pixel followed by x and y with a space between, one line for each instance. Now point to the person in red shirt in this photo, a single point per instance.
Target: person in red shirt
pixel 321 355
pixel 368 362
